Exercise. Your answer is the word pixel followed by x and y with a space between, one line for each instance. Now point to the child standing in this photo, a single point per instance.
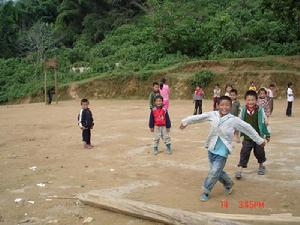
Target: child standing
pixel 290 99
pixel 217 95
pixel 165 92
pixel 153 94
pixel 254 116
pixel 160 124
pixel 197 97
pixel 252 86
pixel 264 101
pixel 271 93
pixel 86 123
pixel 235 110
pixel 219 141
pixel 228 88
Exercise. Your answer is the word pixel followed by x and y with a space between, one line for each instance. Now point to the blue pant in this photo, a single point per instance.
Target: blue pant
pixel 216 173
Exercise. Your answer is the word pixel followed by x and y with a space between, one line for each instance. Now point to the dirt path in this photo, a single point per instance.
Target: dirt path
pixel 121 164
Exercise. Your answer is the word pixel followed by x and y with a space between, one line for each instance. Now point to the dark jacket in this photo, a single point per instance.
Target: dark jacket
pixel 85 119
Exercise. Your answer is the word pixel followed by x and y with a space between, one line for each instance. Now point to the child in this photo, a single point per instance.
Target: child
pixel 217 94
pixel 235 110
pixel 252 86
pixel 197 97
pixel 219 141
pixel 153 94
pixel 160 124
pixel 264 101
pixel 255 116
pixel 86 123
pixel 228 88
pixel 271 93
pixel 290 99
pixel 165 92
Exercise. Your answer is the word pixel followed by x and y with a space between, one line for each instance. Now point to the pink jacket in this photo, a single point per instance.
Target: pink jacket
pixel 165 92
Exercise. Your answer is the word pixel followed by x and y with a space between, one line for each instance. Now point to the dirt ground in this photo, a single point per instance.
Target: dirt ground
pixel 122 164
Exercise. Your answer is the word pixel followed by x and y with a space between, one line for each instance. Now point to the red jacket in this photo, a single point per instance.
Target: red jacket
pixel 159 117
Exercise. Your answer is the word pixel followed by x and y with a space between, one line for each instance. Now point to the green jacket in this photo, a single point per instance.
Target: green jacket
pixel 263 130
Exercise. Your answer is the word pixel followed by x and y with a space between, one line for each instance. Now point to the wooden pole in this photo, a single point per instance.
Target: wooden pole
pixel 152 212
pixel 56 86
pixel 45 86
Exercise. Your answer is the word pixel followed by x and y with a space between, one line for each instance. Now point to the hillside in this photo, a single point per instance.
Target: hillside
pixel 238 72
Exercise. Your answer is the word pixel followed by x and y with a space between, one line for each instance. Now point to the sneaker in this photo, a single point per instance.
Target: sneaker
pixel 238 175
pixel 155 150
pixel 227 190
pixel 169 149
pixel 261 170
pixel 204 197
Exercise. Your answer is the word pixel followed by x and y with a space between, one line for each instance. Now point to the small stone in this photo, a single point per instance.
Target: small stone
pixel 88 220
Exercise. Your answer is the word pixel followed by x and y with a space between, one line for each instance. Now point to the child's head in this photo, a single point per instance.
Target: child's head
pixel 84 103
pixel 198 87
pixel 225 105
pixel 233 94
pixel 252 83
pixel 290 85
pixel 251 98
pixel 155 86
pixel 162 82
pixel 158 101
pixel 272 86
pixel 262 93
pixel 217 86
pixel 228 88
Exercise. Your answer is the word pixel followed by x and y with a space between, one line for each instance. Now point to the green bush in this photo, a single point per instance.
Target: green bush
pixel 203 78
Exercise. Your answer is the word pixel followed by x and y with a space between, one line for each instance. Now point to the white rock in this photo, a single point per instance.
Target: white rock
pixel 88 220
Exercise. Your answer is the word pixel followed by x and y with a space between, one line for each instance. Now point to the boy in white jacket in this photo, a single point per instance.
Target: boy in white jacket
pixel 223 125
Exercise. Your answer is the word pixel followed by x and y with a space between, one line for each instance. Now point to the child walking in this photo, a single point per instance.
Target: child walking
pixel 256 118
pixel 165 92
pixel 290 99
pixel 197 97
pixel 160 124
pixel 219 141
pixel 217 95
pixel 86 123
pixel 153 94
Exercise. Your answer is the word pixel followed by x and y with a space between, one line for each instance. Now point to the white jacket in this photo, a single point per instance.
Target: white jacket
pixel 223 127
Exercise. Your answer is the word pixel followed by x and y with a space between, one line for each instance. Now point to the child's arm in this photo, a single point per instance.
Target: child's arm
pixel 247 129
pixel 151 122
pixel 168 121
pixel 150 101
pixel 80 119
pixel 194 119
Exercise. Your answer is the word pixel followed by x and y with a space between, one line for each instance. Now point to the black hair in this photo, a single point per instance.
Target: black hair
pixel 225 98
pixel 272 85
pixel 162 82
pixel 158 97
pixel 84 100
pixel 217 85
pixel 290 84
pixel 234 91
pixel 155 83
pixel 251 93
pixel 262 89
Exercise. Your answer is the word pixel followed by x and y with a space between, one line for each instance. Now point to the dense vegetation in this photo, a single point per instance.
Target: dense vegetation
pixel 135 36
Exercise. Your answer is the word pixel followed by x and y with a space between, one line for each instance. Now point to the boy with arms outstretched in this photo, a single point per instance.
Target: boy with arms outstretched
pixel 219 142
